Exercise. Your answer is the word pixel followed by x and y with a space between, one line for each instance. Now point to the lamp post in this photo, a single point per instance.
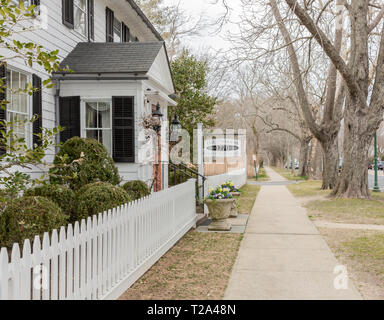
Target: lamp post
pixel 157 115
pixel 376 187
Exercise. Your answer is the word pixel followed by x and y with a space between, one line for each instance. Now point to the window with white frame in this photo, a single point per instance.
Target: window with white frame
pixel 80 16
pixel 98 122
pixel 18 108
pixel 116 30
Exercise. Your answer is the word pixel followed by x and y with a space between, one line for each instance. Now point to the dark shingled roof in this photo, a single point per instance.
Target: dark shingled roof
pixel 129 57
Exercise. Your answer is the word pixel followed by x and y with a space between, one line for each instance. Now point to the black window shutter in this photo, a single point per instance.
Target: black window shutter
pixel 91 20
pixel 110 17
pixel 69 118
pixel 68 15
pixel 126 36
pixel 123 129
pixel 3 97
pixel 35 2
pixel 37 109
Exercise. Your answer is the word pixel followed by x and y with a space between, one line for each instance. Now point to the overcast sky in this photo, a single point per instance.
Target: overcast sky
pixel 212 12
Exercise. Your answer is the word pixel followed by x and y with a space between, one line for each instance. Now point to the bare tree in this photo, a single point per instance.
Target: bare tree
pixel 175 24
pixel 284 115
pixel 326 131
pixel 362 117
pixel 281 49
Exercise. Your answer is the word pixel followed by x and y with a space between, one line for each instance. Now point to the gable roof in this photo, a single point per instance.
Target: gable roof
pixel 129 57
pixel 145 19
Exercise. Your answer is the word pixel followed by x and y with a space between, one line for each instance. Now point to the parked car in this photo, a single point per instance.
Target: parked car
pixel 380 165
pixel 370 166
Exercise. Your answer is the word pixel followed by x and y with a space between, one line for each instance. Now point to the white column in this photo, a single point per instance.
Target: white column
pixel 200 156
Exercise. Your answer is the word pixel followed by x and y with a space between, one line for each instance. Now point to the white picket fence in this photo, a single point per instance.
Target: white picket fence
pixel 238 177
pixel 102 257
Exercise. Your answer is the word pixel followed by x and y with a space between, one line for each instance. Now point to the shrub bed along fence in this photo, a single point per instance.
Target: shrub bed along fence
pixel 102 257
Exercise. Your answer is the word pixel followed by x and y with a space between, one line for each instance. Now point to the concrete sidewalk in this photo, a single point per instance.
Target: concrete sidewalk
pixel 283 256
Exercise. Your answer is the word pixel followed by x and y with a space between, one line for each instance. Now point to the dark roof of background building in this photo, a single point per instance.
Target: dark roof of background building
pixel 129 57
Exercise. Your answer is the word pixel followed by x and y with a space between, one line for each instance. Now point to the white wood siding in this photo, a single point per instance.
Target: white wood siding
pixel 58 37
pixel 159 73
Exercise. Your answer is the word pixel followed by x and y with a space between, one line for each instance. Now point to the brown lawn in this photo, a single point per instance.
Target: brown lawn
pixel 197 268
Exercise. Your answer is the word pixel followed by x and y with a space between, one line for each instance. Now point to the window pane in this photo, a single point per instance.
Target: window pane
pixel 117 26
pixel 19 127
pixel 105 137
pixel 15 80
pixel 116 37
pixel 92 134
pixel 8 79
pixel 19 122
pixel 116 30
pixel 23 81
pixel 104 115
pixel 82 4
pixel 80 23
pixel 91 115
pixel 14 105
pixel 23 106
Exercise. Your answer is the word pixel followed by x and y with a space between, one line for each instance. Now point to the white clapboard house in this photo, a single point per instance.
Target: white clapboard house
pixel 120 73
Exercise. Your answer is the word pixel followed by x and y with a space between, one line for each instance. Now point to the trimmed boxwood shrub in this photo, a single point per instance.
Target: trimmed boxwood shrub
pixel 99 197
pixel 26 217
pixel 96 165
pixel 61 195
pixel 137 189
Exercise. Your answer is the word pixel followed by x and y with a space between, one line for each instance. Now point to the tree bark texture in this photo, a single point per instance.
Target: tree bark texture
pixel 331 164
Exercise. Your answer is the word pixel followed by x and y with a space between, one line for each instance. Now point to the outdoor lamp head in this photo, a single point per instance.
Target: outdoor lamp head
pixel 157 113
pixel 175 129
pixel 175 125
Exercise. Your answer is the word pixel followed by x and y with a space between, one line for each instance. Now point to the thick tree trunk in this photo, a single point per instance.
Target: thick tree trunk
pixel 303 170
pixel 353 181
pixel 313 163
pixel 319 163
pixel 331 163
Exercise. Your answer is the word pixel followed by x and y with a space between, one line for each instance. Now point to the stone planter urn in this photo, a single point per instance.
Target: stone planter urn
pixel 219 212
pixel 234 212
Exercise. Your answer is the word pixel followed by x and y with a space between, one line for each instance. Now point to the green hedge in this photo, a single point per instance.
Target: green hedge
pixel 95 165
pixel 26 217
pixel 63 196
pixel 99 197
pixel 137 189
